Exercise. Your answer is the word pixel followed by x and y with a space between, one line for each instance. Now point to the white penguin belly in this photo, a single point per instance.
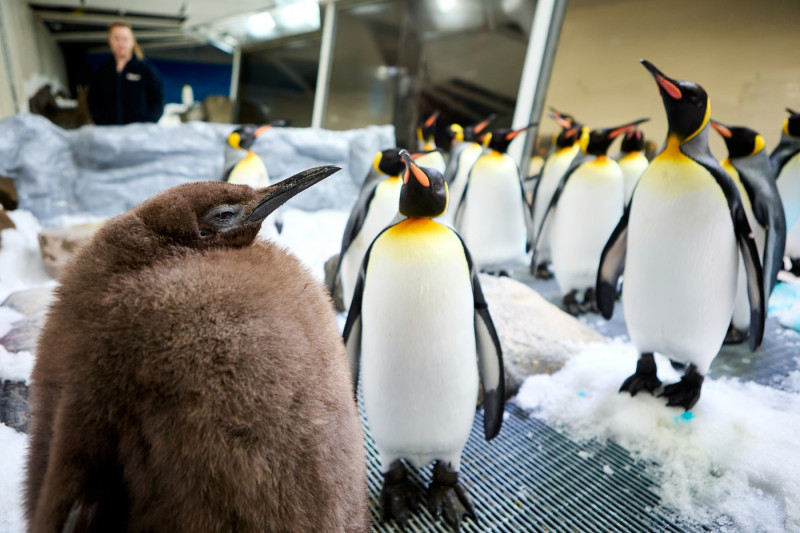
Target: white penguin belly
pixel 433 159
pixel 632 166
pixel 681 266
pixel 418 354
pixel 788 183
pixel 493 221
pixel 466 159
pixel 381 212
pixel 252 172
pixel 587 212
pixel 553 170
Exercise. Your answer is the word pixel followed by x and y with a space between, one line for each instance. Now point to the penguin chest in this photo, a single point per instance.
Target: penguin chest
pixel 632 166
pixel 381 210
pixel 465 161
pixel 589 208
pixel 493 221
pixel 250 171
pixel 432 159
pixel 418 354
pixel 554 169
pixel 788 182
pixel 681 264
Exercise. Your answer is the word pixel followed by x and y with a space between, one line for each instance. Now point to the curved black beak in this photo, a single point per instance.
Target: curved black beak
pixel 666 84
pixel 276 195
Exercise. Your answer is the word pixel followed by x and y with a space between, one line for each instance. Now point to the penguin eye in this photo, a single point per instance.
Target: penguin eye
pixel 224 215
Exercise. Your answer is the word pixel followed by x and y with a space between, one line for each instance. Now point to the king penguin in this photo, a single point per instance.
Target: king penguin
pixel 632 160
pixel 417 326
pixel 679 239
pixel 749 166
pixel 493 217
pixel 466 151
pixel 583 211
pixel 190 377
pixel 428 154
pixel 375 209
pixel 785 160
pixel 569 143
pixel 249 169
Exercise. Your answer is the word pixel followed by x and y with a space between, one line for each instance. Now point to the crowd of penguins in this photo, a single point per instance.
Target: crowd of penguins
pixel 242 417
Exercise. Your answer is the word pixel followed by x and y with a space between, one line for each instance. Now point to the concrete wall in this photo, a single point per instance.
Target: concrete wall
pixel 33 57
pixel 745 54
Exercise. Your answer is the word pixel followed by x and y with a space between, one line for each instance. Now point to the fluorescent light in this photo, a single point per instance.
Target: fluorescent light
pixel 260 25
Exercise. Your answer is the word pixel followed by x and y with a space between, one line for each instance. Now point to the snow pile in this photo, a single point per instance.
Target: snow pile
pixel 14 449
pixel 20 260
pixel 734 457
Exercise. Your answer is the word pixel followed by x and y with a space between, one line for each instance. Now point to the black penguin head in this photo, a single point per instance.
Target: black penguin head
pixel 571 130
pixel 473 133
pixel 600 140
pixel 741 141
pixel 424 191
pixel 632 141
pixel 791 126
pixel 389 162
pixel 500 139
pixel 425 132
pixel 216 214
pixel 243 137
pixel 685 102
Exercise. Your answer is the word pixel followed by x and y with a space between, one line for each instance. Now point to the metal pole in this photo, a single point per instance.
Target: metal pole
pixel 12 85
pixel 545 31
pixel 325 60
pixel 235 72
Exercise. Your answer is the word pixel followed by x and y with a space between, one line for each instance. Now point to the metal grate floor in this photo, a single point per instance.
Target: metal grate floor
pixel 533 478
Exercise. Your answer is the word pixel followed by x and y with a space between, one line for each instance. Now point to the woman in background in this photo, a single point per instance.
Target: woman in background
pixel 125 88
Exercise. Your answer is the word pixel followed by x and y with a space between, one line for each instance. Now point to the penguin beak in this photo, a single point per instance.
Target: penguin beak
pixel 667 85
pixel 276 195
pixel 261 130
pixel 431 119
pixel 412 168
pixel 480 126
pixel 622 129
pixel 791 112
pixel 510 135
pixel 564 123
pixel 722 129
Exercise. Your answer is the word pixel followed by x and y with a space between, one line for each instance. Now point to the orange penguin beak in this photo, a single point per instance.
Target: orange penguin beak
pixel 721 129
pixel 665 83
pixel 510 135
pixel 622 129
pixel 482 125
pixel 261 130
pixel 412 168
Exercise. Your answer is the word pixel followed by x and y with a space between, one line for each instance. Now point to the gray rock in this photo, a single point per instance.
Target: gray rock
pixel 14 410
pixel 536 336
pixel 24 333
pixel 29 302
pixel 103 171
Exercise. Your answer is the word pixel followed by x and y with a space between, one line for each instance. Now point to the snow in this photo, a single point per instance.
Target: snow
pixel 734 457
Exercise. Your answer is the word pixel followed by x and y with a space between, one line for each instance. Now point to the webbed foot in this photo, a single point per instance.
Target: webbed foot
pixel 447 497
pixel 570 303
pixel 686 392
pixel 398 496
pixel 644 378
pixel 589 304
pixel 543 271
pixel 735 335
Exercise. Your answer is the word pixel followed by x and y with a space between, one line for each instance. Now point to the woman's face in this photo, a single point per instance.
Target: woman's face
pixel 120 39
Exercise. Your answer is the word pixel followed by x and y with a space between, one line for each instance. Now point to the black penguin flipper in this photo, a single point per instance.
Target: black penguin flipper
pixel 352 327
pixel 490 357
pixel 576 162
pixel 782 153
pixel 612 262
pixel 462 202
pixel 353 226
pixel 526 211
pixel 747 246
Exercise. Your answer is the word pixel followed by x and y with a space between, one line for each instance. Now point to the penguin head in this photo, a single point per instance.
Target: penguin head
pixel 215 214
pixel 632 141
pixel 457 131
pixel 571 131
pixel 499 140
pixel 791 126
pixel 474 133
pixel 424 191
pixel 741 141
pixel 425 132
pixel 243 137
pixel 600 140
pixel 389 162
pixel 686 104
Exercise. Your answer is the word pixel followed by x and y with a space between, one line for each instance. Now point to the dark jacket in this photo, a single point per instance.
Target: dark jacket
pixel 133 95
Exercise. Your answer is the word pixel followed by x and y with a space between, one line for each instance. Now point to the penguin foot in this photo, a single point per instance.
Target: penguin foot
pixel 447 497
pixel 644 378
pixel 570 303
pixel 543 271
pixel 735 335
pixel 398 496
pixel 501 273
pixel 686 392
pixel 589 304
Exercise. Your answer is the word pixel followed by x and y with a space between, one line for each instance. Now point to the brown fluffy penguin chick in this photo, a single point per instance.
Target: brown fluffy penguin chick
pixel 189 379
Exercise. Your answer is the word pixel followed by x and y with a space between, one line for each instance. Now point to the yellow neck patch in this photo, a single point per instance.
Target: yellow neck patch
pixel 786 126
pixel 759 145
pixel 706 118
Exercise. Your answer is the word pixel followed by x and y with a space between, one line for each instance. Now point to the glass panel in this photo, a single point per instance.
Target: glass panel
pixel 278 82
